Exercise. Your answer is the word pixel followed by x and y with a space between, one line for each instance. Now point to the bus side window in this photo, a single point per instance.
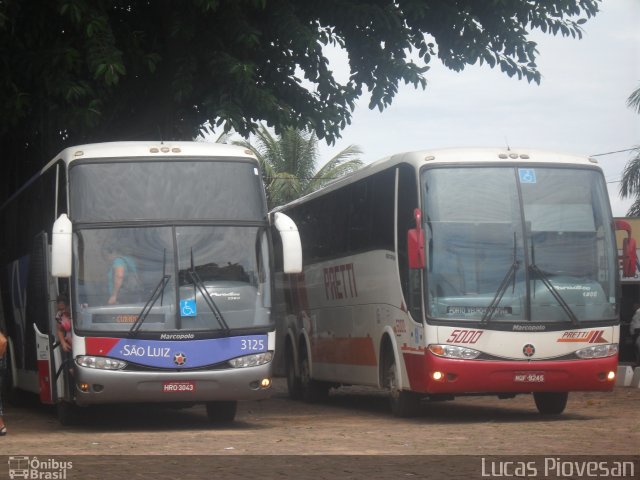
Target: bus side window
pixel 407 202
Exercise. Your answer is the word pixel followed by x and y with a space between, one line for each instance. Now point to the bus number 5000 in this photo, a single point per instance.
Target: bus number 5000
pixel 464 336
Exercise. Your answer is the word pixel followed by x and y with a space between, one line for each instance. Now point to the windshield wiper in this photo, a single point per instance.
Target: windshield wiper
pixel 497 298
pixel 545 280
pixel 158 291
pixel 144 313
pixel 547 283
pixel 199 284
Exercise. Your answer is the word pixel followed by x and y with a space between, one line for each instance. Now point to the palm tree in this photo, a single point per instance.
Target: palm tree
pixel 289 160
pixel 630 184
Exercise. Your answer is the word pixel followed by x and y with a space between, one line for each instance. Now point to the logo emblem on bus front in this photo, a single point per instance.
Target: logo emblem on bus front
pixel 179 359
pixel 528 350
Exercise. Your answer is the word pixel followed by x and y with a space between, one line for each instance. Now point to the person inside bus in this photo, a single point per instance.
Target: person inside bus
pixel 63 323
pixel 122 276
pixel 63 331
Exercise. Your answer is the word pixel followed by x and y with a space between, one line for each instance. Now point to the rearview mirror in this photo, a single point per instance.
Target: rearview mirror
pixel 291 246
pixel 61 247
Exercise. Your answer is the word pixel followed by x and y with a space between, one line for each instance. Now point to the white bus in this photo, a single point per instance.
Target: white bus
pixel 188 222
pixel 455 272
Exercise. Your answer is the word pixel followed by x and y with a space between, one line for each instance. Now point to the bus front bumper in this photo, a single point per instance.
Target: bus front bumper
pixel 95 386
pixel 436 375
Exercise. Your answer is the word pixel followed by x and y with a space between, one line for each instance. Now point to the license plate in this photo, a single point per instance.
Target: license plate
pixel 177 387
pixel 529 377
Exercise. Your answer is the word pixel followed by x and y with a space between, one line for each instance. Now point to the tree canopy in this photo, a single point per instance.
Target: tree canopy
pixel 630 184
pixel 76 71
pixel 288 163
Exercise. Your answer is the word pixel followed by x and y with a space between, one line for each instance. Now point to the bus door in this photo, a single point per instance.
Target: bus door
pixel 53 374
pixel 40 312
pixel 46 374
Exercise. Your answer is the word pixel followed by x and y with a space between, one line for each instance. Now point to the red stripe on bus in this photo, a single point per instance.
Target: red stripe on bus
pixel 347 351
pixel 417 371
pixel 99 346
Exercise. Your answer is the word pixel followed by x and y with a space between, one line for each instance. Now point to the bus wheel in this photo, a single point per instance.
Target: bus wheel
pixel 67 413
pixel 551 403
pixel 221 412
pixel 403 403
pixel 293 381
pixel 312 391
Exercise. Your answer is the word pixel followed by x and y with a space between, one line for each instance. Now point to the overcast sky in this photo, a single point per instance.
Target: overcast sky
pixel 579 107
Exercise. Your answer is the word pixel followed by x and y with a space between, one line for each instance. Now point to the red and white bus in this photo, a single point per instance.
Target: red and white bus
pixel 455 272
pixel 189 219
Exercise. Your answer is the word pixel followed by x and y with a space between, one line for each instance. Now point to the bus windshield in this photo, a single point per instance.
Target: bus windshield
pixel 191 278
pixel 108 191
pixel 513 244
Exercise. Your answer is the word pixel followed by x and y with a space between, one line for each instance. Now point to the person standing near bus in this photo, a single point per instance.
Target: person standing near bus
pixel 122 276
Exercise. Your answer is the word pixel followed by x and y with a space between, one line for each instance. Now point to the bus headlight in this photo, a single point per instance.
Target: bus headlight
pixel 598 351
pixel 100 363
pixel 452 351
pixel 251 360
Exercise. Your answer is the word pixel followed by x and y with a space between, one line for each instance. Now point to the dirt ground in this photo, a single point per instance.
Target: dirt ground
pixel 353 422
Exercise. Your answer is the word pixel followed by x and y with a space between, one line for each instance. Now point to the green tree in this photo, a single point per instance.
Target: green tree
pixel 76 71
pixel 289 160
pixel 630 184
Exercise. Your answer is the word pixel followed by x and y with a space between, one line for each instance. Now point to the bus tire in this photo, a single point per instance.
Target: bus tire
pixel 67 413
pixel 403 404
pixel 312 391
pixel 551 403
pixel 293 381
pixel 222 412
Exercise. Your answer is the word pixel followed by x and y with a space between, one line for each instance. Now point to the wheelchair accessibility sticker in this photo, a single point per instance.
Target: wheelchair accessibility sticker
pixel 527 175
pixel 188 308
